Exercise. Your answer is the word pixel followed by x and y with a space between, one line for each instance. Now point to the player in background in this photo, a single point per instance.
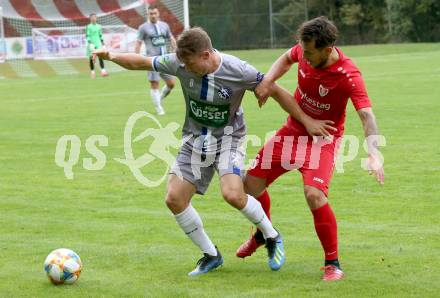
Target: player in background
pixel 155 34
pixel 213 86
pixel 94 41
pixel 326 80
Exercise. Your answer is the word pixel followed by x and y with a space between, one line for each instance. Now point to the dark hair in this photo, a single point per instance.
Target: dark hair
pixel 92 14
pixel 193 41
pixel 319 29
pixel 152 6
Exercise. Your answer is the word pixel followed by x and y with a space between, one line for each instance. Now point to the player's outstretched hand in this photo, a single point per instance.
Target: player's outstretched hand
pixel 102 53
pixel 375 167
pixel 320 127
pixel 263 91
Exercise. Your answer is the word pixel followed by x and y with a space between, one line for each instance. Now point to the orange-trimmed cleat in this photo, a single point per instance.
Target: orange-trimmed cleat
pixel 332 273
pixel 251 245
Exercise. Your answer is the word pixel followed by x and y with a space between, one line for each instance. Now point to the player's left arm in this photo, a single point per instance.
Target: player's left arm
pixel 313 126
pixel 362 103
pixel 371 131
pixel 252 78
pixel 126 60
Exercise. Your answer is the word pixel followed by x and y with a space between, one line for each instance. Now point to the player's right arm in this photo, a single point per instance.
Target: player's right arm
pixel 138 46
pixel 173 41
pixel 88 34
pixel 278 69
pixel 140 37
pixel 89 37
pixel 126 60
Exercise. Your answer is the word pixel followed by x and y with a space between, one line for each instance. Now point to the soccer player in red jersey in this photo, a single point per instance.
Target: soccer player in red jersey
pixel 326 80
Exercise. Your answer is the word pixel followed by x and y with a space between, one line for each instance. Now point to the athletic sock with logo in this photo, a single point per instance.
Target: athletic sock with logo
pixel 191 223
pixel 255 213
pixel 327 230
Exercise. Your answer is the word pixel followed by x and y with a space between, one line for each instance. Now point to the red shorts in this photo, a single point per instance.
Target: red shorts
pixel 287 150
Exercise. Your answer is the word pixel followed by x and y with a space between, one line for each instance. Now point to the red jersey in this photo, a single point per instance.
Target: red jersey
pixel 323 93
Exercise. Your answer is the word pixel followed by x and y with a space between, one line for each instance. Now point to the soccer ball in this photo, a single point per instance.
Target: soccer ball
pixel 63 266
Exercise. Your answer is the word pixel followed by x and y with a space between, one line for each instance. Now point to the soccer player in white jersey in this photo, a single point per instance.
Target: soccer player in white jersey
pixel 155 34
pixel 213 85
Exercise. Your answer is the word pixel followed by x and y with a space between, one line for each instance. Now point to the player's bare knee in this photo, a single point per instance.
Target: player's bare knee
pixel 170 201
pixel 170 84
pixel 234 197
pixel 315 197
pixel 174 203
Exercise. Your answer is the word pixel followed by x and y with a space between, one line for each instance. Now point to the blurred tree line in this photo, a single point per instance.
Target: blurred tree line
pixel 249 24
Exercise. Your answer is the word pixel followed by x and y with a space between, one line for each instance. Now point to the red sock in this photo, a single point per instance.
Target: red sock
pixel 264 200
pixel 327 230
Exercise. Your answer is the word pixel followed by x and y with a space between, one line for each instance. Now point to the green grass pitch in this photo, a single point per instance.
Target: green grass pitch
pixel 389 237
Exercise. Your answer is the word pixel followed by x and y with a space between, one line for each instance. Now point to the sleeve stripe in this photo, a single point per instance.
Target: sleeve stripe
pixel 154 63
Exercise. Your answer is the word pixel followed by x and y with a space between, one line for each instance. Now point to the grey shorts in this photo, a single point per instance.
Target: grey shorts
pixel 155 76
pixel 198 168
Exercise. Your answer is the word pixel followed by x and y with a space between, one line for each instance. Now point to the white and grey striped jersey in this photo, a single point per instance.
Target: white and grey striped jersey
pixel 213 102
pixel 155 37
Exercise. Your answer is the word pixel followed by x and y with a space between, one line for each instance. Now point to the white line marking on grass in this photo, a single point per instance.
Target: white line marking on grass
pixel 22 69
pixel 62 67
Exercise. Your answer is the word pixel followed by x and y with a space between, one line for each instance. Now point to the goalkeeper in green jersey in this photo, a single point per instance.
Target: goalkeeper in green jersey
pixel 94 41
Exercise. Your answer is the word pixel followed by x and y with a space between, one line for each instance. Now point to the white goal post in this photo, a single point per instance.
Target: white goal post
pixel 2 38
pixel 70 42
pixel 186 14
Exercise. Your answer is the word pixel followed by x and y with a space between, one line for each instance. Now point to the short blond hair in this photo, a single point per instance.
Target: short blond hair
pixel 193 41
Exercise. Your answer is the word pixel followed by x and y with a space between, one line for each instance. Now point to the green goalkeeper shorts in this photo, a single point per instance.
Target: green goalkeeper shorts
pixel 95 46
